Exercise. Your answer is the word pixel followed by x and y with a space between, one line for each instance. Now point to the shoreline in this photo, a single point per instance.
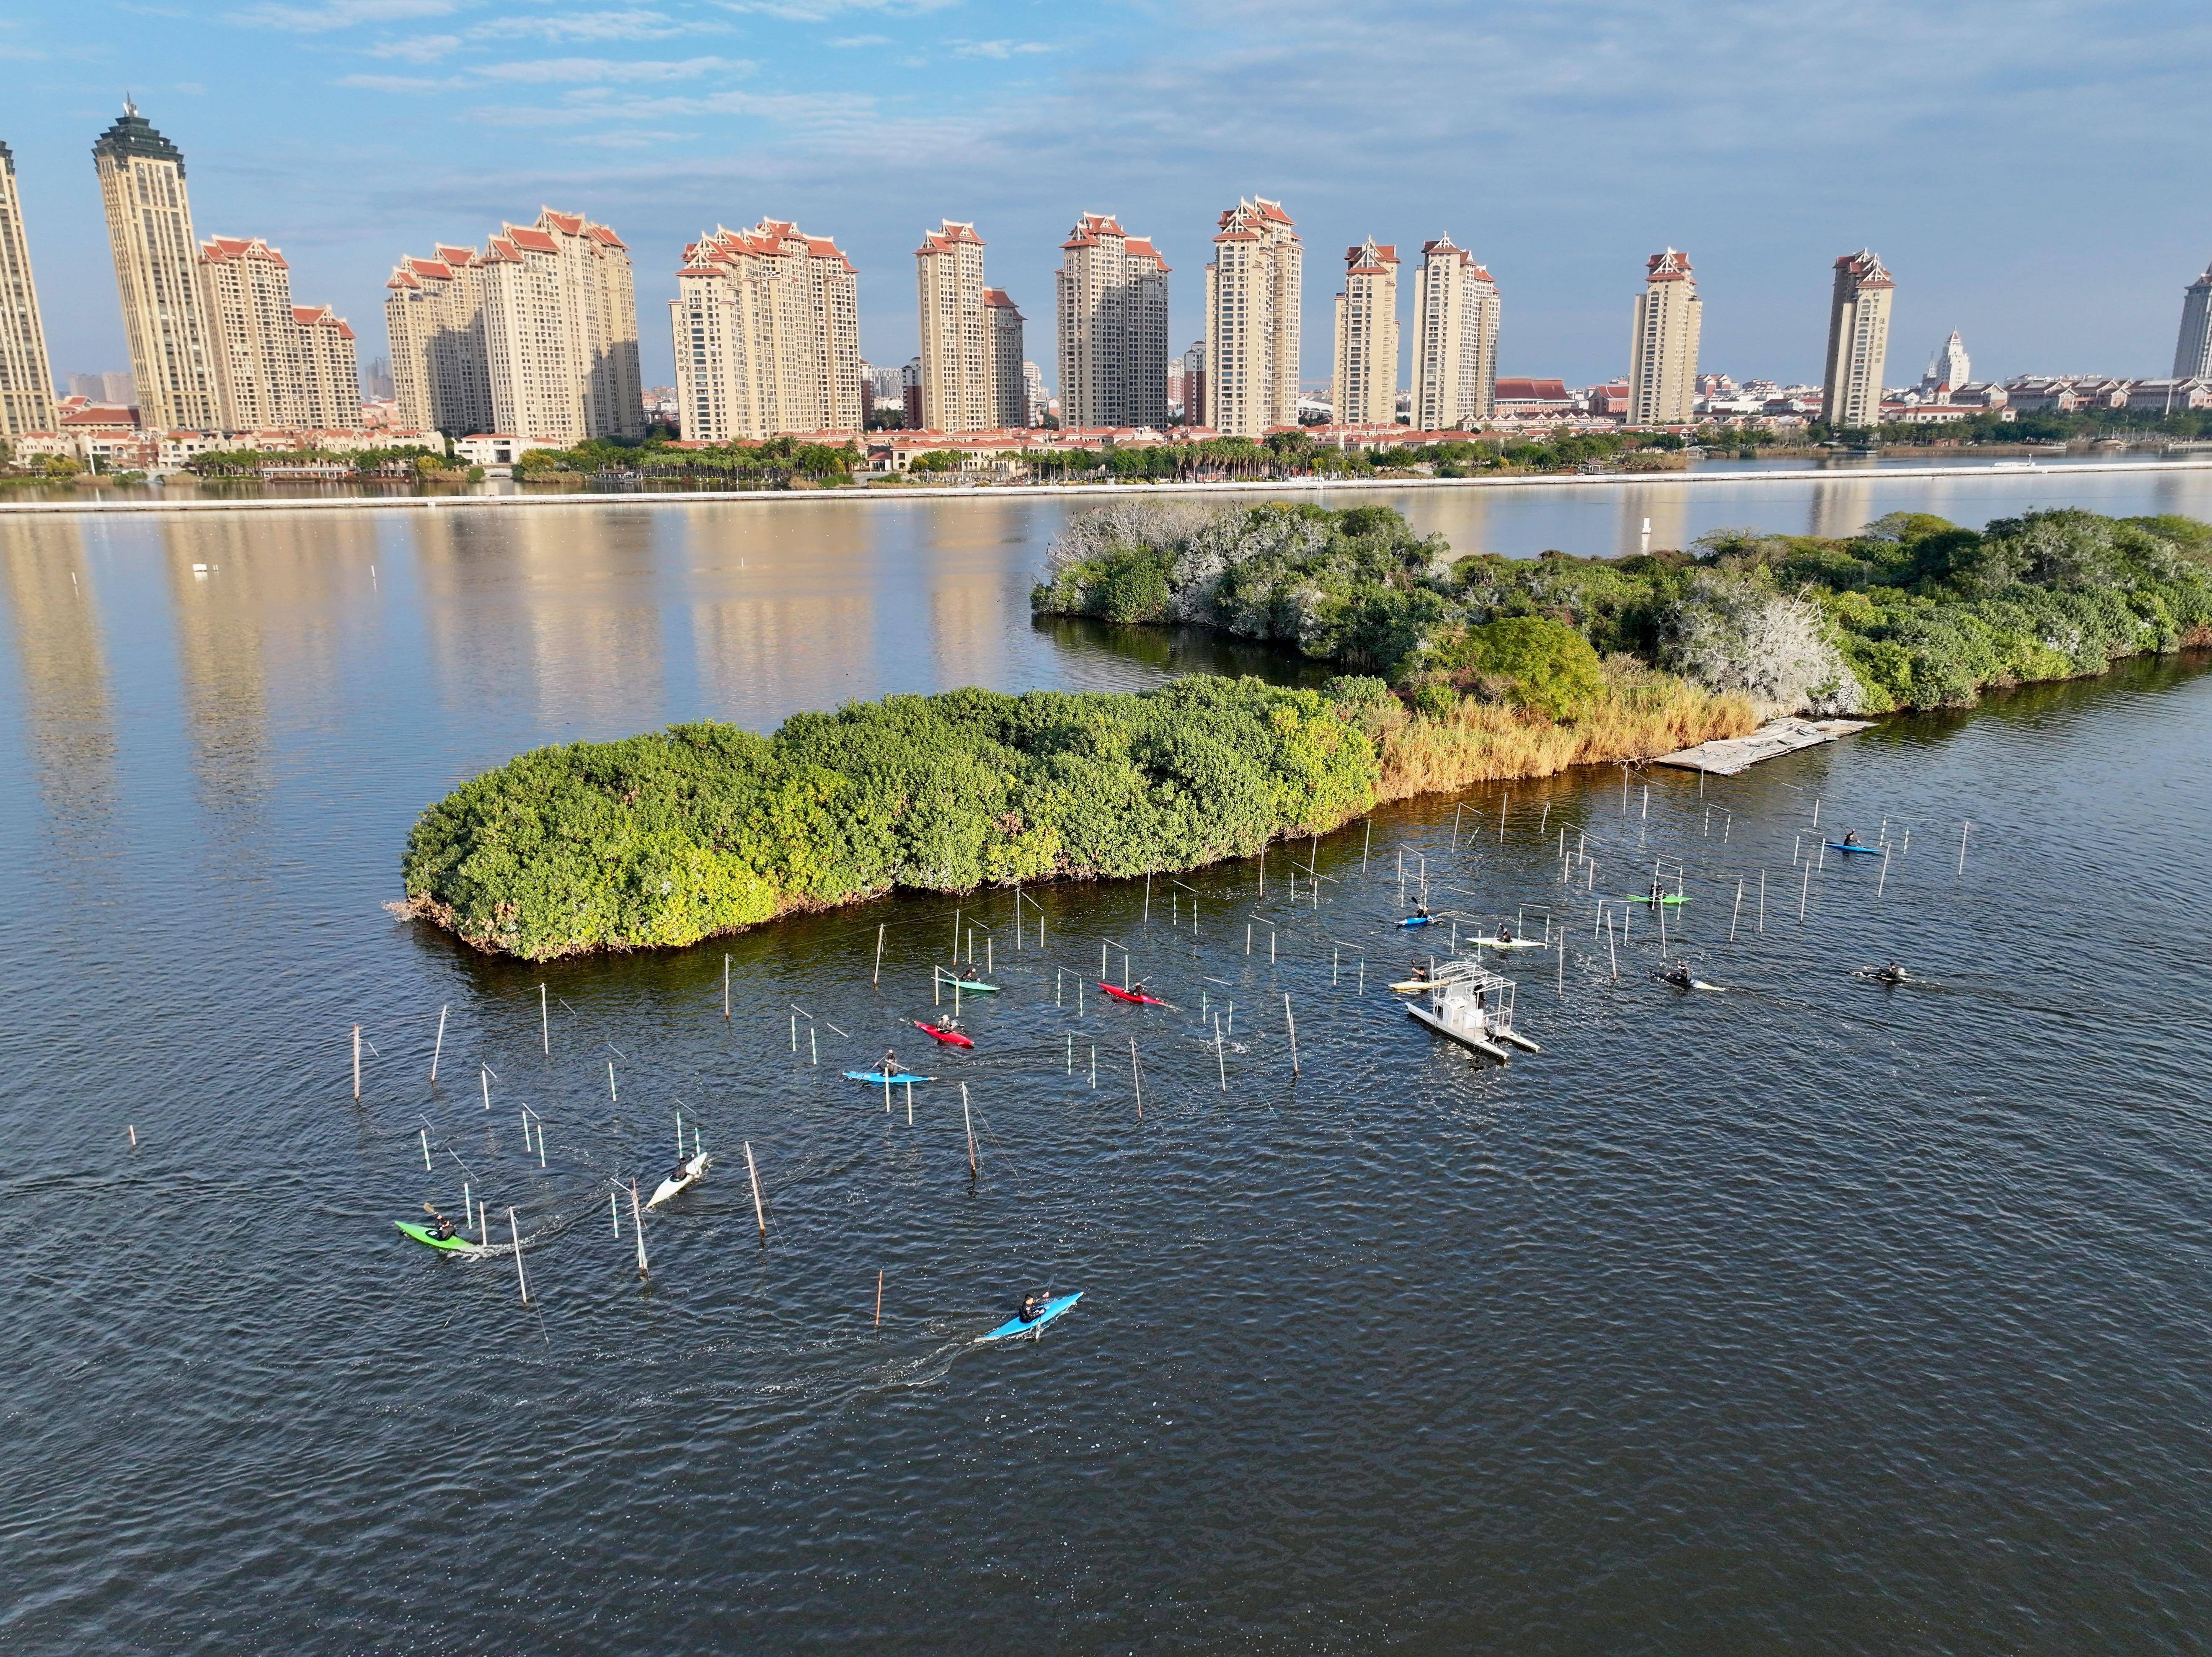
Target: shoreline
pixel 1031 491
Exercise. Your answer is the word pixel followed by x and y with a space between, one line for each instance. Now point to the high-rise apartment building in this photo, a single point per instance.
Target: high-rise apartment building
pixel 27 380
pixel 1194 383
pixel 1002 327
pixel 150 232
pixel 1456 315
pixel 1254 288
pixel 2192 351
pixel 1033 395
pixel 957 391
pixel 276 364
pixel 1366 389
pixel 1858 342
pixel 1949 368
pixel 767 335
pixel 535 336
pixel 1663 354
pixel 1113 314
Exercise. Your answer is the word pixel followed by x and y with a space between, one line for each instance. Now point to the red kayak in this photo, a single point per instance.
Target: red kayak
pixel 1141 999
pixel 952 1037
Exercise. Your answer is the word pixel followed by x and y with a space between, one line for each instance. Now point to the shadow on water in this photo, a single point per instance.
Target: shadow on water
pixel 1181 650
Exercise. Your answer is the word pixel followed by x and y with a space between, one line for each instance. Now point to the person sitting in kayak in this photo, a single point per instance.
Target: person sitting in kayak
pixel 948 1024
pixel 1680 976
pixel 1032 1308
pixel 1504 932
pixel 888 1065
pixel 1136 988
pixel 969 976
pixel 1421 912
pixel 1892 973
pixel 1851 837
pixel 442 1228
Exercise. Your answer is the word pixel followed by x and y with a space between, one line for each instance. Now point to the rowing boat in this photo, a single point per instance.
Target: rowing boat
pixel 1012 1327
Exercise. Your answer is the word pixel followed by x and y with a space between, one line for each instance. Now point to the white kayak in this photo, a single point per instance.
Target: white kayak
pixel 680 1178
pixel 1510 942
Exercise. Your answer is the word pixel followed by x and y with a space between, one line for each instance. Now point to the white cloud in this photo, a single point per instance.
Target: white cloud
pixel 642 139
pixel 338 14
pixel 999 50
pixel 861 40
pixel 422 49
pixel 398 82
pixel 586 71
pixel 587 105
pixel 817 11
pixel 636 25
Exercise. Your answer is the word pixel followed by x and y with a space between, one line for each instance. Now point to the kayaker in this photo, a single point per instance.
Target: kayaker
pixel 442 1228
pixel 1851 837
pixel 1658 891
pixel 948 1024
pixel 889 1064
pixel 1136 988
pixel 969 976
pixel 1504 932
pixel 1032 1308
pixel 1679 977
pixel 1892 973
pixel 1421 912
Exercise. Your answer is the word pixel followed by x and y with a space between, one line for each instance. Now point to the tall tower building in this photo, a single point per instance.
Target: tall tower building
pixel 150 231
pixel 246 287
pixel 1365 392
pixel 535 336
pixel 1454 339
pixel 1113 313
pixel 957 394
pixel 1663 354
pixel 27 381
pixel 1858 340
pixel 1002 320
pixel 2192 351
pixel 1252 291
pixel 767 340
pixel 1950 367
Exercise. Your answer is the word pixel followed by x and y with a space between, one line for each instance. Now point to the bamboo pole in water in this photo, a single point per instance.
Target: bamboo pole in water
pixel 1291 1025
pixel 637 1228
pixel 726 972
pixel 1737 912
pixel 760 1212
pixel 441 1047
pixel 1136 1080
pixel 544 1022
pixel 522 1282
pixel 879 1297
pixel 968 1123
pixel 426 1149
pixel 356 1061
pixel 1962 847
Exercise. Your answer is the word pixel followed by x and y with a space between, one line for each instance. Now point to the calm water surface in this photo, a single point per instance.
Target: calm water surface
pixel 1806 1316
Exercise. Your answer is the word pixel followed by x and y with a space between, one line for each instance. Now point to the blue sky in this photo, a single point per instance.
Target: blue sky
pixel 2025 167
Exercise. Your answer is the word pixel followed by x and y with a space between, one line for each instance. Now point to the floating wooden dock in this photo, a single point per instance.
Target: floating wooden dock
pixel 1725 756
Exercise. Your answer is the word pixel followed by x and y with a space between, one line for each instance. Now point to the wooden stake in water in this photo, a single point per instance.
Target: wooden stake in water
pixel 1291 1025
pixel 879 1297
pixel 1962 847
pixel 1544 823
pixel 441 1047
pixel 1365 843
pixel 955 933
pixel 1803 892
pixel 485 1075
pixel 544 1022
pixel 637 1228
pixel 1884 880
pixel 614 1214
pixel 1737 912
pixel 133 1136
pixel 726 972
pixel 426 1149
pixel 1611 953
pixel 522 1282
pixel 760 1211
pixel 1456 809
pixel 1220 1061
pixel 356 1061
pixel 1136 1080
pixel 1148 897
pixel 878 977
pixel 612 1098
pixel 968 1123
pixel 1816 810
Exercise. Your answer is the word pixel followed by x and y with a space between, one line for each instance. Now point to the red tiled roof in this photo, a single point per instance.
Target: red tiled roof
pixel 536 240
pixel 1671 265
pixel 568 224
pixel 1522 389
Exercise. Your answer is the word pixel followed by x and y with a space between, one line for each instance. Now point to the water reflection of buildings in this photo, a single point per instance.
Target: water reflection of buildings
pixel 69 721
pixel 554 610
pixel 265 608
pixel 1841 504
pixel 1665 507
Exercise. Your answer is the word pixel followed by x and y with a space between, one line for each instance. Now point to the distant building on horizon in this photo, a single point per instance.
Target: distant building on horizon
pixel 1858 342
pixel 27 378
pixel 534 337
pixel 1949 368
pixel 150 235
pixel 1663 357
pixel 1034 394
pixel 1111 295
pixel 1364 389
pixel 956 390
pixel 767 329
pixel 2192 350
pixel 1456 316
pixel 1254 288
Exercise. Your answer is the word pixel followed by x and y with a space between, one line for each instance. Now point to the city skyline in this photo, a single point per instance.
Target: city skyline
pixel 376 125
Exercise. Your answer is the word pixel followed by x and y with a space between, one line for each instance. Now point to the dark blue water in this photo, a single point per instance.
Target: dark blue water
pixel 1805 1316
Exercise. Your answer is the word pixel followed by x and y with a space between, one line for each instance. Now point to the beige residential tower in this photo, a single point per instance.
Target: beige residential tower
pixel 1456 315
pixel 27 380
pixel 767 331
pixel 1112 291
pixel 1858 342
pixel 1253 292
pixel 149 233
pixel 1663 355
pixel 1365 390
pixel 956 390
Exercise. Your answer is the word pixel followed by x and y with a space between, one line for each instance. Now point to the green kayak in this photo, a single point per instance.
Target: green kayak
pixel 422 1234
pixel 968 985
pixel 1645 897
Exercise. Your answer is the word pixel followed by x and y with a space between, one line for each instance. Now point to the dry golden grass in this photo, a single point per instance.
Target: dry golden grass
pixel 1641 714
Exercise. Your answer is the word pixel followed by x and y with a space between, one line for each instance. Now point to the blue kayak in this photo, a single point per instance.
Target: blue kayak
pixel 879 1078
pixel 1418 920
pixel 1053 1308
pixel 1870 850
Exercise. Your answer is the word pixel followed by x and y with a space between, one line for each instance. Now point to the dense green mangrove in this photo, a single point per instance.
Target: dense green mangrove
pixel 705 828
pixel 1912 612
